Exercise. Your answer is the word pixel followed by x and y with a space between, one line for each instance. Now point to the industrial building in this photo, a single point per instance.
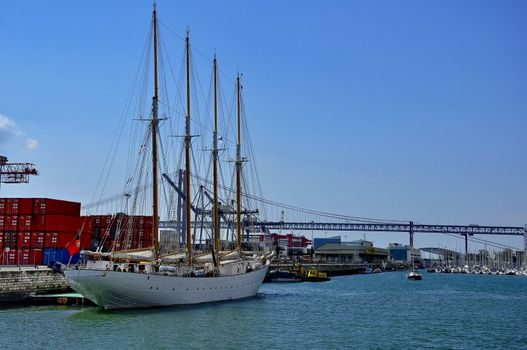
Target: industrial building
pixel 285 245
pixel 360 251
pixel 404 253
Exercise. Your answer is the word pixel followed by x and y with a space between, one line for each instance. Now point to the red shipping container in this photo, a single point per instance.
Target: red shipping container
pixel 38 223
pixel 144 243
pixel 86 232
pixel 86 226
pixel 11 206
pixel 35 257
pixel 24 222
pixel 85 241
pixel 149 221
pixel 47 206
pixel 104 234
pixel 25 206
pixel 147 233
pixel 24 240
pixel 107 221
pixel 11 223
pixel 51 240
pixel 37 239
pixel 86 223
pixel 12 257
pixel 10 239
pixel 16 206
pixel 142 221
pixel 55 223
pixel 58 239
pixel 64 238
pixel 23 257
pixel 96 221
pixel 9 256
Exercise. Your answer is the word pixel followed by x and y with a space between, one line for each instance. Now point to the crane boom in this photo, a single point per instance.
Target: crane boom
pixel 16 173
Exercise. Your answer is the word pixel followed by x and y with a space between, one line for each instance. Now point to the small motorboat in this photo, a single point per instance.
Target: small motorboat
pixel 366 271
pixel 414 275
pixel 313 275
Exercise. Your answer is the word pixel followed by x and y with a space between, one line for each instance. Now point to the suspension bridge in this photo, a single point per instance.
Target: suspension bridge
pixel 314 220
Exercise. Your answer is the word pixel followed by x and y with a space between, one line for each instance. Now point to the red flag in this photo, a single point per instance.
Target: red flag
pixel 73 247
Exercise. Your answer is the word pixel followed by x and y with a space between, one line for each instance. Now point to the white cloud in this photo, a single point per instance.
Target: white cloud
pixel 6 123
pixel 8 128
pixel 31 144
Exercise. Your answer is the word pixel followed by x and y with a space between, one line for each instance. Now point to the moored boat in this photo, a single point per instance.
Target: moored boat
pixel 313 275
pixel 136 279
pixel 366 271
pixel 119 289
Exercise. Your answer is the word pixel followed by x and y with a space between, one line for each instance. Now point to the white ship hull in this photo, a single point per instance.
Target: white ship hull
pixel 121 290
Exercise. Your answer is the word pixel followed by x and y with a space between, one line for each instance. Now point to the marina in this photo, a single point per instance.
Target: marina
pixel 371 311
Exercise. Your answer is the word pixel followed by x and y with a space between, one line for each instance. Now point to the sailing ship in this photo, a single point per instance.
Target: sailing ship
pixel 146 278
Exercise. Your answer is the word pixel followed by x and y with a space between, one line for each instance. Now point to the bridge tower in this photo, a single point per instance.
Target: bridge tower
pixel 411 231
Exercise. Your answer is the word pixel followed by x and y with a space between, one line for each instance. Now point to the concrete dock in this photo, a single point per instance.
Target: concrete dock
pixel 332 269
pixel 18 282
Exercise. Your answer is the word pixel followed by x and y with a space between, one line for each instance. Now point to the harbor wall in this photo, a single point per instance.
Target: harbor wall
pixel 332 269
pixel 25 280
pixel 339 269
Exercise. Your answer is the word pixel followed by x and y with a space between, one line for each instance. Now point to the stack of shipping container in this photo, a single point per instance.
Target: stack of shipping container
pixel 35 231
pixel 117 232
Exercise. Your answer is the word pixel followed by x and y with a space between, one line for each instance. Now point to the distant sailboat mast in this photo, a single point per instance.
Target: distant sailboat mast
pixel 154 125
pixel 187 159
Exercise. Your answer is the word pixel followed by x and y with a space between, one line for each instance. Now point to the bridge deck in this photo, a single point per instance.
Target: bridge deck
pixel 376 227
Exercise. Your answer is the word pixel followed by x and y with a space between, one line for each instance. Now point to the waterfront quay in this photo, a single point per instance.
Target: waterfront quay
pixel 331 269
pixel 19 282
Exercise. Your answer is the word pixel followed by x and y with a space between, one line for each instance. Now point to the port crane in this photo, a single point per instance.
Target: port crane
pixel 16 173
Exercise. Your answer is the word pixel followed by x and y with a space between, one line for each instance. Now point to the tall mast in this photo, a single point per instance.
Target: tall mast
pixel 187 158
pixel 155 121
pixel 215 216
pixel 238 174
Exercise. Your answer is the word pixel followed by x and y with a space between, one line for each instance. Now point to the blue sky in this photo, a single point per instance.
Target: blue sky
pixel 405 110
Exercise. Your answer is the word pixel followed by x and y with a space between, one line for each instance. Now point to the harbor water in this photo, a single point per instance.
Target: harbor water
pixel 376 311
